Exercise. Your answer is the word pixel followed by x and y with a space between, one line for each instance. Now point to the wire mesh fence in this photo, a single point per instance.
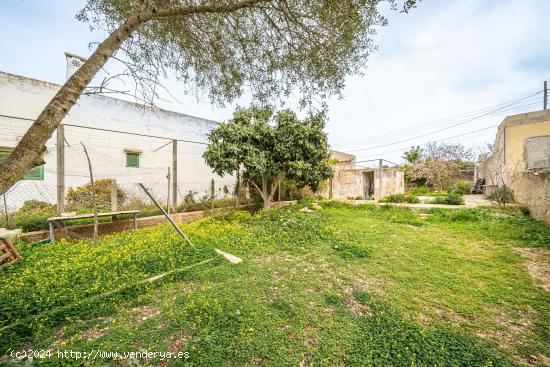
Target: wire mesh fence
pixel 122 206
pixel 172 171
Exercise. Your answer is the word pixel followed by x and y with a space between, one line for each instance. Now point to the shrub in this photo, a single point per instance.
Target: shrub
pixel 32 216
pixel 81 196
pixel 461 187
pixel 448 200
pixel 502 195
pixel 394 198
pixel 400 198
pixel 396 214
pixel 350 251
pixel 419 190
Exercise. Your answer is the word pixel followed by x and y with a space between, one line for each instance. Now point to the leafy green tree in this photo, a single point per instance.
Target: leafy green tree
pixel 267 147
pixel 412 155
pixel 271 47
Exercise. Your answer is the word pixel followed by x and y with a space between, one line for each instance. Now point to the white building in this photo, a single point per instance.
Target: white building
pixel 126 141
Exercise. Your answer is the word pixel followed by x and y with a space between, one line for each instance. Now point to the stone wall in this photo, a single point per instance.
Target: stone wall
pixel 521 161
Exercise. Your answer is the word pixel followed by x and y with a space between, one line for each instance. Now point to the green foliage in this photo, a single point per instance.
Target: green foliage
pixel 261 46
pixel 58 281
pixel 269 147
pixel 511 224
pixel 502 195
pixel 32 216
pixel 412 155
pixel 400 198
pixel 81 197
pixel 448 200
pixel 419 191
pixel 389 339
pixel 351 251
pixel 400 215
pixel 395 304
pixel 460 188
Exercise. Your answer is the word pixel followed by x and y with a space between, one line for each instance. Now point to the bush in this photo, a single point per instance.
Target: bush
pixel 502 195
pixel 461 187
pixel 32 216
pixel 448 200
pixel 400 198
pixel 81 196
pixel 419 190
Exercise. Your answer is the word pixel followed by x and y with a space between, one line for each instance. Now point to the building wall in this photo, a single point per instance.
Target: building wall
pixel 515 153
pixel 393 182
pixel 349 183
pixel 22 99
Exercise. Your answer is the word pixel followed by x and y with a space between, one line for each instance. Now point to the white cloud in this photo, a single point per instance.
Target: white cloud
pixel 441 59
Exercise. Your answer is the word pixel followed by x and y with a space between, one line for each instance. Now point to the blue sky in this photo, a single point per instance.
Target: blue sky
pixel 442 59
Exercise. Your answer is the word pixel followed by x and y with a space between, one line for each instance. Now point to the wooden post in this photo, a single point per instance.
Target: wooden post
pixel 60 169
pixel 114 196
pixel 212 194
pixel 174 176
pixel 545 94
pixel 168 194
pixel 330 188
pixel 380 179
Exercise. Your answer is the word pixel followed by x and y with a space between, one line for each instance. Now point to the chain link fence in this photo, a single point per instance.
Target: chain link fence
pixel 119 163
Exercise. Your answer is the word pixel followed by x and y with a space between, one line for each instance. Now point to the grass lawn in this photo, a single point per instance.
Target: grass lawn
pixel 341 286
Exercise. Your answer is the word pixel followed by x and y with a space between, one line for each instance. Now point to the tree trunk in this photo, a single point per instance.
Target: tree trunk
pixel 237 187
pixel 265 196
pixel 28 152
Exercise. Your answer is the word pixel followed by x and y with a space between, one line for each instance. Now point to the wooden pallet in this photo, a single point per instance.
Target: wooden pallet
pixel 8 253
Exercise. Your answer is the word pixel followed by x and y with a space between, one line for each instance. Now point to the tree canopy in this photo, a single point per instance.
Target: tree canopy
pixel 270 146
pixel 269 48
pixel 412 155
pixel 441 163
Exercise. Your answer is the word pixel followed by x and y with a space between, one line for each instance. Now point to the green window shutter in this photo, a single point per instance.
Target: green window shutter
pixel 132 160
pixel 36 173
pixel 4 154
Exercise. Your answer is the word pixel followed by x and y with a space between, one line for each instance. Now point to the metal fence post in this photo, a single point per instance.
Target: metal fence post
pixel 174 176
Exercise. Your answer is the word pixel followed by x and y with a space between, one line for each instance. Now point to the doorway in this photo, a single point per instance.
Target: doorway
pixel 368 185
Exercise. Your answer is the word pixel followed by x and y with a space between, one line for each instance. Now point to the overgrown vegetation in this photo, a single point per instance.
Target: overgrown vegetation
pixel 32 216
pixel 450 199
pixel 344 285
pixel 81 196
pixel 502 195
pixel 264 146
pixel 461 187
pixel 400 198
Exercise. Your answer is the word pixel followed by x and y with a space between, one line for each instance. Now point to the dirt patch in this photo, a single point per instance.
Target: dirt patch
pixel 356 308
pixel 256 361
pixel 145 314
pixel 538 264
pixel 176 344
pixel 96 332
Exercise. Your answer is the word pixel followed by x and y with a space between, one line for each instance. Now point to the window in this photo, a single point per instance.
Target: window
pixel 132 159
pixel 36 173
